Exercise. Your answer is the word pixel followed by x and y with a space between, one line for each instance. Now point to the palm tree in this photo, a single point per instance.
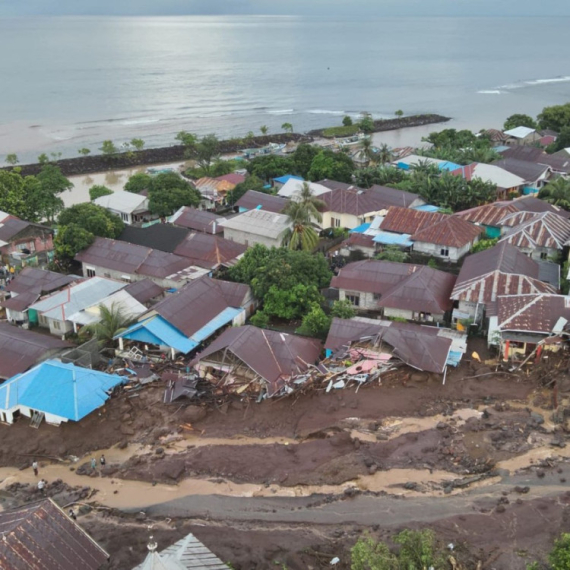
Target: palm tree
pixel 309 201
pixel 368 151
pixel 113 321
pixel 384 154
pixel 301 234
pixel 264 130
pixel 287 127
pixel 557 193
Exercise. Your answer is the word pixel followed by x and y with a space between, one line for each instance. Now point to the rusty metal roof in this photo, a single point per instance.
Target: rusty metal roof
pixel 532 313
pixel 21 302
pixel 32 279
pixel 406 221
pixel 252 199
pixel 400 285
pixel 419 346
pixel 41 536
pixel 499 270
pixel 196 304
pixel 20 349
pixel 274 356
pixel 198 220
pixel 209 251
pixel 144 290
pixel 541 230
pixel 11 227
pixel 357 239
pixel 488 214
pixel 450 232
pixel 533 154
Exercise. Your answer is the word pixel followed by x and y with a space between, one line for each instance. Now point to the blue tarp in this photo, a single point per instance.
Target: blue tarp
pixel 388 238
pixel 286 178
pixel 63 390
pixel 450 166
pixel 360 229
pixel 426 208
pixel 225 317
pixel 529 190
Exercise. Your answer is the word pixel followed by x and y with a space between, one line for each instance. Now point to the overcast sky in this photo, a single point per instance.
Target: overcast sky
pixel 292 7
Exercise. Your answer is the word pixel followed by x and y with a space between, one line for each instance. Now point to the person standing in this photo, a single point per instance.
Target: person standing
pixel 72 515
pixel 42 486
pixel 35 467
pixel 93 463
pixel 103 461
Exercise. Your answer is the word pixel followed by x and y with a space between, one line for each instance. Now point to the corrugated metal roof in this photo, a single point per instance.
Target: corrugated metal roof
pixel 528 171
pixel 225 317
pixel 539 230
pixel 32 279
pixel 21 302
pixel 11 227
pixel 427 208
pixel 488 214
pixel 20 349
pixel 286 178
pixel 293 186
pixel 450 232
pixel 489 173
pixel 252 200
pixel 409 221
pixel 121 301
pixel 532 313
pixel 233 178
pixel 209 251
pixel 520 132
pixel 163 237
pixel 144 290
pixel 259 222
pixel 198 220
pixel 359 240
pixel 125 202
pixel 41 536
pixel 60 389
pixel 360 229
pixel 388 238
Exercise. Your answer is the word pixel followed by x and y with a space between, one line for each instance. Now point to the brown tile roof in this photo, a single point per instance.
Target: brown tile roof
pixel 20 349
pixel 419 346
pixel 400 285
pixel 500 270
pixel 41 536
pixel 198 220
pixel 32 279
pixel 450 231
pixel 209 251
pixel 252 199
pixel 532 313
pixel 541 230
pixel 197 303
pixel 406 221
pixel 275 356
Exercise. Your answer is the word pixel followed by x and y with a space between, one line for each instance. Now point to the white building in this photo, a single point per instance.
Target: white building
pixel 131 208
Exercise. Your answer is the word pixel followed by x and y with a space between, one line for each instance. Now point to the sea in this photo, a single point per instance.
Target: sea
pixel 72 82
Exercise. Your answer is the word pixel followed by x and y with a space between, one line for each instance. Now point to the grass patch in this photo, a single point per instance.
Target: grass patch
pixel 341 131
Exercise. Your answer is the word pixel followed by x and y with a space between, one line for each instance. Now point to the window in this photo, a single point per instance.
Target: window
pixel 56 325
pixel 335 222
pixel 90 272
pixel 376 296
pixel 125 217
pixel 43 321
pixel 354 300
pixel 444 252
pixel 543 255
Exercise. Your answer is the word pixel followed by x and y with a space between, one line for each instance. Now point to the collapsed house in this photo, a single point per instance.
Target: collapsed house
pixel 258 360
pixel 426 348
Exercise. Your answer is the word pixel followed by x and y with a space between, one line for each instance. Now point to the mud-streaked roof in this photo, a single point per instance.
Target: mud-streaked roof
pixel 419 346
pixel 20 349
pixel 450 232
pixel 32 279
pixel 274 356
pixel 198 220
pixel 41 536
pixel 399 285
pixel 253 200
pixel 209 251
pixel 406 221
pixel 540 230
pixel 499 270
pixel 533 313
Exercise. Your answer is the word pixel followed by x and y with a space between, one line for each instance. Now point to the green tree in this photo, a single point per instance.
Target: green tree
pixel 368 554
pixel 419 549
pixel 41 202
pixel 52 180
pixel 113 321
pixel 557 193
pixel 452 138
pixel 250 183
pixel 84 151
pixel 333 166
pixel 556 117
pixel 393 253
pixel 484 244
pixel 97 191
pixel 168 192
pixel 287 127
pixel 43 158
pixel 13 194
pixel 259 319
pixel 302 158
pixel 562 141
pixel 347 121
pixel 343 310
pixel 381 175
pixel 188 140
pixel 264 130
pixel 92 218
pixel 519 120
pixel 307 199
pixel 206 151
pixel 138 182
pixel 249 138
pixel 108 149
pixel 301 234
pixel 559 557
pixel 69 241
pixel 12 159
pixel 315 323
pixel 270 166
pixel 366 123
pixel 399 113
pixel 291 303
pixel 137 144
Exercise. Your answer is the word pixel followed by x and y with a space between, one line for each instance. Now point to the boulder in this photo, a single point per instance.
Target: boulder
pixel 193 414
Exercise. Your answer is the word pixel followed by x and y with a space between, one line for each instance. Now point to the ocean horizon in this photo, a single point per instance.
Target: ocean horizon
pixel 73 82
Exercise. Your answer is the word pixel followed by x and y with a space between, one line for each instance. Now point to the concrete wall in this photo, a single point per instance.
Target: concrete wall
pixel 455 254
pixel 249 239
pixel 16 316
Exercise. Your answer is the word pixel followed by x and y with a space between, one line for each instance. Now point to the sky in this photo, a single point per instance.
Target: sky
pixel 376 8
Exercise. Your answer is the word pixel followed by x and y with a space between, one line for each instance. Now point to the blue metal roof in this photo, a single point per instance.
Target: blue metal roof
pixel 287 177
pixel 403 166
pixel 159 332
pixel 388 238
pixel 64 390
pixel 427 208
pixel 450 166
pixel 225 317
pixel 360 229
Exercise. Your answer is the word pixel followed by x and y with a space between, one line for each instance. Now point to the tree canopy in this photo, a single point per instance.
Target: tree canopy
pixel 138 182
pixel 452 138
pixel 97 191
pixel 557 193
pixel 334 166
pixel 519 120
pixel 556 117
pixel 270 166
pixel 95 219
pixel 562 141
pixel 168 192
pixel 382 175
pixel 250 183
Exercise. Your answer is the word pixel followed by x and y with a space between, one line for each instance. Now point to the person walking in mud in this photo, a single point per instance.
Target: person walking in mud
pixel 35 467
pixel 93 463
pixel 42 487
pixel 103 461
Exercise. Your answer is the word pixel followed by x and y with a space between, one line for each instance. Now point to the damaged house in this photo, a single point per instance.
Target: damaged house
pixel 396 290
pixel 256 360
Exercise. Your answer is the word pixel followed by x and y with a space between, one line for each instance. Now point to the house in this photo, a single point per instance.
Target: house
pixel 197 220
pixel 506 183
pixel 349 206
pixel 293 186
pixel 234 178
pixel 181 321
pixel 28 286
pixel 522 136
pixel 210 251
pixel 560 165
pixel 497 138
pixel 257 226
pixel 358 241
pixel 21 349
pixel 524 323
pixel 186 554
pixel 56 311
pixel 541 236
pixel 214 190
pixel 279 182
pixel 145 291
pixel 253 200
pixel 163 237
pixel 396 290
pixel 262 360
pixel 129 262
pixel 426 348
pixel 130 207
pixel 499 270
pixel 55 391
pixel 430 233
pixel 535 175
pixel 41 536
pixel 24 243
pixel 412 161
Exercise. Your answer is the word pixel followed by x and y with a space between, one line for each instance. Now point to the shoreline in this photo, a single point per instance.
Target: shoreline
pixel 95 164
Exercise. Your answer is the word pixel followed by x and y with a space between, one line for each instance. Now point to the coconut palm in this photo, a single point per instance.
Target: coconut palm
pixel 557 193
pixel 309 201
pixel 301 234
pixel 264 130
pixel 384 154
pixel 113 322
